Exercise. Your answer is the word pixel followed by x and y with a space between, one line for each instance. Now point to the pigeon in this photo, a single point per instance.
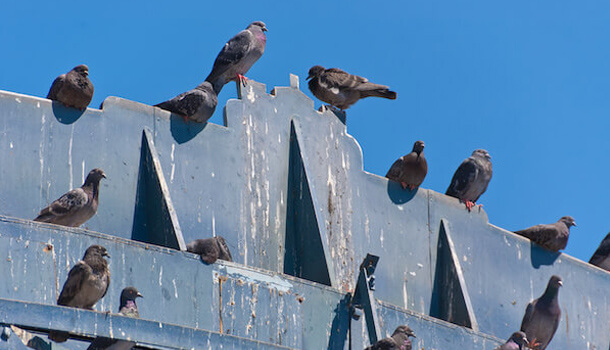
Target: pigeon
pixel 73 89
pixel 601 257
pixel 210 249
pixel 552 236
pixel 87 283
pixel 76 206
pixel 542 316
pixel 517 341
pixel 197 104
pixel 127 308
pixel 398 341
pixel 471 179
pixel 341 89
pixel 238 55
pixel 410 170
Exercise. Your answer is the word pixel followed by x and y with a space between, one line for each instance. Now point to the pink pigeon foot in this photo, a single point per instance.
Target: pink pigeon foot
pixel 469 205
pixel 242 79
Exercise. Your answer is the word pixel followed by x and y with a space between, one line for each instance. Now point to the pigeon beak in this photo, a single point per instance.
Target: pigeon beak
pixel 413 335
pixel 104 175
pixel 139 295
pixel 106 255
pixel 560 283
pixel 309 77
pixel 265 29
pixel 573 223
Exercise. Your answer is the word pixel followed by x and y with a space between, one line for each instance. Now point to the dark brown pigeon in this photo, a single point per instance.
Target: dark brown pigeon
pixel 542 316
pixel 552 236
pixel 341 89
pixel 471 178
pixel 238 55
pixel 410 170
pixel 76 206
pixel 87 283
pixel 127 308
pixel 601 257
pixel 197 104
pixel 210 249
pixel 517 341
pixel 73 89
pixel 398 341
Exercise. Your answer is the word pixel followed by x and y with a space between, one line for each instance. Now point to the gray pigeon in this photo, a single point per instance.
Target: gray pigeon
pixel 341 89
pixel 552 236
pixel 197 104
pixel 471 179
pixel 517 341
pixel 210 249
pixel 87 283
pixel 238 55
pixel 410 170
pixel 601 257
pixel 398 341
pixel 76 206
pixel 73 89
pixel 542 316
pixel 127 308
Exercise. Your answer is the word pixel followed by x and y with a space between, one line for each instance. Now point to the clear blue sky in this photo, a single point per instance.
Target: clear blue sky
pixel 526 80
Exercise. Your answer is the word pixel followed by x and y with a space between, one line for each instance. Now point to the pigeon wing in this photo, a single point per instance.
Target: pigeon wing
pixel 395 172
pixel 64 205
pixel 337 78
pixel 56 86
pixel 78 274
pixel 463 177
pixel 185 104
pixel 529 312
pixel 233 51
pixel 602 252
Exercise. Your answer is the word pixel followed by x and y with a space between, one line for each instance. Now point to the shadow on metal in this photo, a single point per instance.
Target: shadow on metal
pixel 184 131
pixel 155 220
pixel 66 115
pixel 304 255
pixel 450 298
pixel 398 195
pixel 339 329
pixel 541 256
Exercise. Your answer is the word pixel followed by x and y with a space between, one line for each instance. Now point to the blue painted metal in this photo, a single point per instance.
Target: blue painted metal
pixel 363 296
pixel 284 185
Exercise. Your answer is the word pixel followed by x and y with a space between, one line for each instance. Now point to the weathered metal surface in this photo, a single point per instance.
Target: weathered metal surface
pixel 284 185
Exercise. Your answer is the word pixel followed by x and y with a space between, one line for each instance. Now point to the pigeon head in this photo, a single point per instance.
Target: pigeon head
pixel 555 282
pixel 259 24
pixel 404 329
pixel 96 250
pixel 418 147
pixel 315 71
pixel 95 176
pixel 130 294
pixel 568 220
pixel 481 153
pixel 82 70
pixel 520 339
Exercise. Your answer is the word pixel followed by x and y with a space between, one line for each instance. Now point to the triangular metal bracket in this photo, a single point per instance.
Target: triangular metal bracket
pixel 306 255
pixel 155 220
pixel 364 299
pixel 450 298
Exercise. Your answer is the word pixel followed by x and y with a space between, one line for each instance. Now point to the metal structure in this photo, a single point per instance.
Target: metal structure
pixel 284 184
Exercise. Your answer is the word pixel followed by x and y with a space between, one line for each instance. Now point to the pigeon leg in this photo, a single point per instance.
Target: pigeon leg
pixel 404 185
pixel 533 344
pixel 412 187
pixel 469 205
pixel 186 119
pixel 242 79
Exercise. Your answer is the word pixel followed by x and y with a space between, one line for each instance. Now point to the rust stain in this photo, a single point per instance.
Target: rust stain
pixel 47 248
pixel 300 298
pixel 221 280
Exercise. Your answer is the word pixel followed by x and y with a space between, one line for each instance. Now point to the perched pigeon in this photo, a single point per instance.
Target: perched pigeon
pixel 76 206
pixel 127 308
pixel 542 316
pixel 87 283
pixel 197 104
pixel 398 341
pixel 73 89
pixel 601 257
pixel 238 55
pixel 410 170
pixel 552 236
pixel 471 178
pixel 210 249
pixel 517 341
pixel 341 89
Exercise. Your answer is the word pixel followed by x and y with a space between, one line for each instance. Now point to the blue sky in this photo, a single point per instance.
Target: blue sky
pixel 528 81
